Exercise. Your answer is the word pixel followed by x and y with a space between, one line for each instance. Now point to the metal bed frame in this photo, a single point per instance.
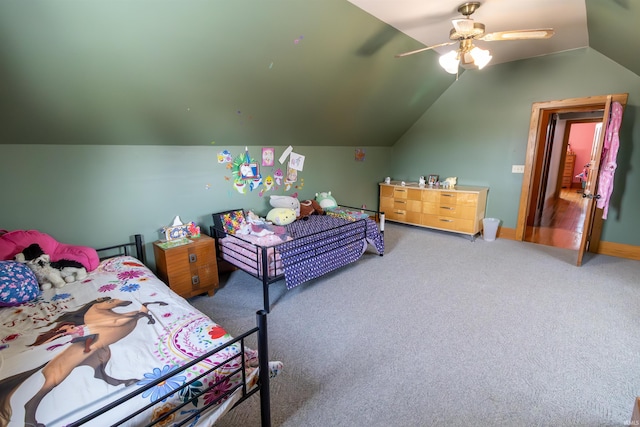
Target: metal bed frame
pixel 259 331
pixel 261 262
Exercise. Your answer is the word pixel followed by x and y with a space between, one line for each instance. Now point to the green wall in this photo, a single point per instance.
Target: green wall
pixel 479 127
pixel 101 195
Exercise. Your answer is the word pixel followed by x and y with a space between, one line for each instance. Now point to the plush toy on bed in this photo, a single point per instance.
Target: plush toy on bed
pixel 326 200
pixel 308 208
pixel 281 216
pixel 57 273
pixel 285 202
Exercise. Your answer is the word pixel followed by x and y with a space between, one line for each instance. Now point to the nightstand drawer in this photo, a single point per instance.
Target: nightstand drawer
pixel 189 269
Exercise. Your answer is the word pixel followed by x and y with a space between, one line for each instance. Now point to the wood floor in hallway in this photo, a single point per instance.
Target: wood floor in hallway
pixel 561 222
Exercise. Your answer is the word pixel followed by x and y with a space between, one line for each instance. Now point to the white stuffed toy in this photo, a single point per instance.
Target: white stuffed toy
pixel 285 202
pixel 451 181
pixel 57 273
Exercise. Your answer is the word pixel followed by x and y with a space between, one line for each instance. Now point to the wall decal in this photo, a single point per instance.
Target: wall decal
pixel 296 161
pixel 268 156
pixel 278 176
pixel 284 155
pixel 245 173
pixel 225 156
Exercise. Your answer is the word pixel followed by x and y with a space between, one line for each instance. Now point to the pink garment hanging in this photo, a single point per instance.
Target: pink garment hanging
pixel 608 164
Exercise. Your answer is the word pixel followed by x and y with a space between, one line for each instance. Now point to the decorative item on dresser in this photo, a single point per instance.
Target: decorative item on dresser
pixel 458 210
pixel 567 172
pixel 190 268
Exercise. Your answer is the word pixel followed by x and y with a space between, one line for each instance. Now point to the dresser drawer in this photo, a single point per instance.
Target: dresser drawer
pixel 386 204
pixel 386 191
pixel 457 211
pixel 448 223
pixel 400 193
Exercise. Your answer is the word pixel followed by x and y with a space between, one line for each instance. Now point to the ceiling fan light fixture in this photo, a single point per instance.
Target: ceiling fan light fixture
pixel 481 57
pixel 450 61
pixel 463 25
pixel 465 29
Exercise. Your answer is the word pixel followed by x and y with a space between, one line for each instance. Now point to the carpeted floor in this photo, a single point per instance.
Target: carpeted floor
pixel 445 332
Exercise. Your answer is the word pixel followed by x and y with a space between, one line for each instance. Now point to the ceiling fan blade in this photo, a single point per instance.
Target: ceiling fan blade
pixel 400 55
pixel 539 33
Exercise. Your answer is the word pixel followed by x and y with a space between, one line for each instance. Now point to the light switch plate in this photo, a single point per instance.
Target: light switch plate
pixel 517 169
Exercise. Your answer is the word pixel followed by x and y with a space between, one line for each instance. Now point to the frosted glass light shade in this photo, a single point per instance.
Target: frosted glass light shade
pixel 480 57
pixel 450 61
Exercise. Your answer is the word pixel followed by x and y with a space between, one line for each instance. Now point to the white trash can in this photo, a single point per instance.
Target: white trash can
pixel 490 229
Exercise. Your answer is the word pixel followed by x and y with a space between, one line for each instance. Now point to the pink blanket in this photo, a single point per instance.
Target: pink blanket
pixel 16 241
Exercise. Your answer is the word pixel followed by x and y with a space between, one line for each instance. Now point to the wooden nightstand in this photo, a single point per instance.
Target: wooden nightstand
pixel 189 269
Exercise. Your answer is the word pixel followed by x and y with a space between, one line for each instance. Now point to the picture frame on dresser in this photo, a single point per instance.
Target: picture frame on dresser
pixel 432 179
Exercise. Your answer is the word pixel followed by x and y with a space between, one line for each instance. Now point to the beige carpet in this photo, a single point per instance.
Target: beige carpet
pixel 445 332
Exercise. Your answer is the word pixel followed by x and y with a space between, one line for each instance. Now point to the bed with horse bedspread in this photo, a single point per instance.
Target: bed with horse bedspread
pixel 79 348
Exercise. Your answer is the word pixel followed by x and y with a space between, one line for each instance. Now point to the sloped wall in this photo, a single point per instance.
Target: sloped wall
pixel 479 127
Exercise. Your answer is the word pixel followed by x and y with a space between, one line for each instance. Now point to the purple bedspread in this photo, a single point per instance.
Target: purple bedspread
pixel 324 243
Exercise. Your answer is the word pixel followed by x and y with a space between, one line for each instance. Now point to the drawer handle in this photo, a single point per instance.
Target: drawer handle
pixel 195 280
pixel 446 207
pixel 446 195
pixel 401 191
pixel 446 220
pixel 400 201
pixel 399 213
pixel 193 257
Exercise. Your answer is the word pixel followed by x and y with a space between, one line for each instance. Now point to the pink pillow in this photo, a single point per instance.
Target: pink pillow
pixel 16 241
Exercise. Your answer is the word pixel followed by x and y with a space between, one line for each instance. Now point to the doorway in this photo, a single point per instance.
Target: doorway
pixel 539 156
pixel 560 213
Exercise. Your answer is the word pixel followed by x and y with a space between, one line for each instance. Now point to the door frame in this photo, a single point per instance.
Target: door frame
pixel 540 115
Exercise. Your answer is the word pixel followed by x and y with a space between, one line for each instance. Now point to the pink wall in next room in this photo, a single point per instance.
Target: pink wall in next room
pixel 581 140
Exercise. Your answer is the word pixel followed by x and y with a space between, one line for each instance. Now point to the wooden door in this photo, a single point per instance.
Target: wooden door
pixel 591 188
pixel 540 114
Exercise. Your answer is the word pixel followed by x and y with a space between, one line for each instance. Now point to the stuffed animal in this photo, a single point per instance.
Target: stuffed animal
pixel 326 200
pixel 57 273
pixel 451 181
pixel 310 207
pixel 285 202
pixel 281 216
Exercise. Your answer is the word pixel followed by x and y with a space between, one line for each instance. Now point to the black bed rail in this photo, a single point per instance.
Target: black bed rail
pixel 258 263
pixel 262 385
pixel 378 216
pixel 254 267
pixel 124 249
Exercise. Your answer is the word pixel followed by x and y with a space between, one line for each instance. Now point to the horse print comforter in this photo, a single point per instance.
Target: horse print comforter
pixel 78 348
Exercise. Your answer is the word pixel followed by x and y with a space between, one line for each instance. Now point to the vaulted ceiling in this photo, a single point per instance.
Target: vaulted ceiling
pixel 251 72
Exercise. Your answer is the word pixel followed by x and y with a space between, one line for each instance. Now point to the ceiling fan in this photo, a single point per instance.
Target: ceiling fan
pixel 465 31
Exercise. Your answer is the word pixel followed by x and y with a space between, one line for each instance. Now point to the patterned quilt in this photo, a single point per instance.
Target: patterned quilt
pixel 324 243
pixel 79 347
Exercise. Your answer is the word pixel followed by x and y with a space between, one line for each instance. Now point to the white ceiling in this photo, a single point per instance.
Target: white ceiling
pixel 429 22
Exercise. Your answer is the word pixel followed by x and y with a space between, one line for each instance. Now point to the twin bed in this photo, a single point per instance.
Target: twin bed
pixel 120 348
pixel 300 251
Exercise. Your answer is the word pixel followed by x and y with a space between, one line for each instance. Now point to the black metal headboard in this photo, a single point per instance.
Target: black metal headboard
pixel 124 249
pixel 217 229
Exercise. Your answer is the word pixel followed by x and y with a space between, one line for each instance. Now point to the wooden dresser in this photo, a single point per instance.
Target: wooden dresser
pixel 567 172
pixel 458 210
pixel 189 269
